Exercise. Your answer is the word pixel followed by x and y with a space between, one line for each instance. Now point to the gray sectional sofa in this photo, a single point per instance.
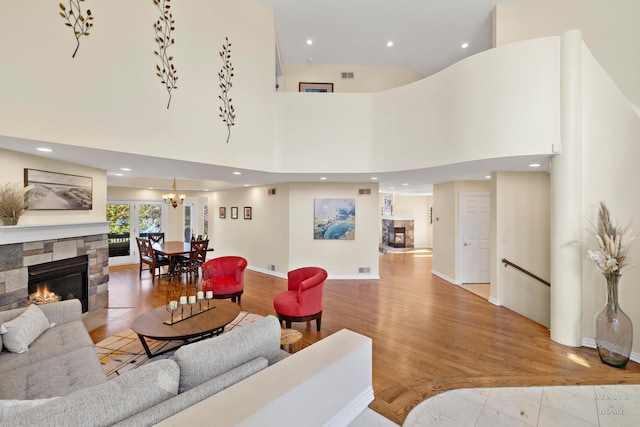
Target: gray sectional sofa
pixel 62 363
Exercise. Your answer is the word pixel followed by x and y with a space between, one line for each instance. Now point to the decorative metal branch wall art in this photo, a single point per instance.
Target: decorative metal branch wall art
pixel 163 28
pixel 227 112
pixel 76 20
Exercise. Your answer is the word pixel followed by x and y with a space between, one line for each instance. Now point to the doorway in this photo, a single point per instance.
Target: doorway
pixel 128 220
pixel 474 237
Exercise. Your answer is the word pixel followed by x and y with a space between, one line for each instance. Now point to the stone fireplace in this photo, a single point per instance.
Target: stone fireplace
pixel 48 251
pixel 397 231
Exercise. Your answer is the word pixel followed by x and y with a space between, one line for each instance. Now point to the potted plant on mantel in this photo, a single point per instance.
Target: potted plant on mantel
pixel 12 202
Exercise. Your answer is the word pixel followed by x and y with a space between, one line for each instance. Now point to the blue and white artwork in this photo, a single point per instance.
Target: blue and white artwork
pixel 334 219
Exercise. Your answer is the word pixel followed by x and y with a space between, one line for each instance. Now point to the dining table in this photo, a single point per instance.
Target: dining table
pixel 173 249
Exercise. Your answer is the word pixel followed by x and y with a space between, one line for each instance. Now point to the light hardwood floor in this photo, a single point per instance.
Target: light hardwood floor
pixel 428 335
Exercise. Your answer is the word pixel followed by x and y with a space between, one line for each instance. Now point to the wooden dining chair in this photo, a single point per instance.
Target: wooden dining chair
pixel 156 237
pixel 197 256
pixel 148 256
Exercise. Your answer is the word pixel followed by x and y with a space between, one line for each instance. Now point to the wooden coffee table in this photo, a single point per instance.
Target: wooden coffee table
pixel 203 325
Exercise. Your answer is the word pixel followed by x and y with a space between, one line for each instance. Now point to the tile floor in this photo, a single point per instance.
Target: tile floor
pixel 611 405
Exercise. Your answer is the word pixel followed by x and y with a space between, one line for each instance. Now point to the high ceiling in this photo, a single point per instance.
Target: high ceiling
pixel 427 37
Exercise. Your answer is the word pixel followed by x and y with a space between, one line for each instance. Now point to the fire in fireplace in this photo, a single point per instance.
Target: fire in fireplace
pixel 60 280
pixel 397 237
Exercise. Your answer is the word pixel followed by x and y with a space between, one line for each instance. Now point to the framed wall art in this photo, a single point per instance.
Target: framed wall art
pixel 58 191
pixel 222 212
pixel 315 87
pixel 234 212
pixel 247 212
pixel 334 219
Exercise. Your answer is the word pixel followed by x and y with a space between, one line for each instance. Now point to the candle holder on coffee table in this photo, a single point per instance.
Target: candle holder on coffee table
pixel 187 300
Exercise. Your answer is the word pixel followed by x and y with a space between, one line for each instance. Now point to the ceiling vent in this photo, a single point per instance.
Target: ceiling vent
pixel 347 74
pixel 364 191
pixel 271 192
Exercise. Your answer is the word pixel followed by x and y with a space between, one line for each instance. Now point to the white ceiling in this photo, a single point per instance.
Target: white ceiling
pixel 427 36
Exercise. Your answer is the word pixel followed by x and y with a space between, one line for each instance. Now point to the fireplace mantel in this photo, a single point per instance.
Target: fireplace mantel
pixel 31 233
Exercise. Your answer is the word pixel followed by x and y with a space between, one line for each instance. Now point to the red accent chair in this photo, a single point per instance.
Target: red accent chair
pixel 225 277
pixel 302 302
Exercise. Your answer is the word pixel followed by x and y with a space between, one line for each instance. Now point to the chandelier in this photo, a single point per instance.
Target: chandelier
pixel 170 199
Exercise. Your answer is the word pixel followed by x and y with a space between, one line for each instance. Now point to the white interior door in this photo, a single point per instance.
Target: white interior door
pixel 475 226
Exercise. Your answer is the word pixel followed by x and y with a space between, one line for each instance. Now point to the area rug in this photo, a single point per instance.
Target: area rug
pixel 123 351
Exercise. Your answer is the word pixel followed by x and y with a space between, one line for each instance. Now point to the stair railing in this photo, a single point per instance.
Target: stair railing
pixel 517 267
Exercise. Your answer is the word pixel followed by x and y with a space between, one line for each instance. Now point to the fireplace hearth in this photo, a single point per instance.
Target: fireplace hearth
pixel 60 280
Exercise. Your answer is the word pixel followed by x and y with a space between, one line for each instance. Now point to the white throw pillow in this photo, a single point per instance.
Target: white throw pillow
pixel 9 408
pixel 20 332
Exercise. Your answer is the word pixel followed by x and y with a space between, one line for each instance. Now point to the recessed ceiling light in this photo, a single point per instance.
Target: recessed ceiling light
pixel 237 173
pixel 488 177
pixel 323 178
pixel 118 174
pixel 373 178
pixel 464 45
pixel 149 188
pixel 309 42
pixel 534 165
pixel 405 183
pixel 125 169
pixel 389 43
pixel 246 185
pixel 44 149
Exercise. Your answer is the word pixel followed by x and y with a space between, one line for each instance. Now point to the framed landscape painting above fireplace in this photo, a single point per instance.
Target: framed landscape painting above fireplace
pixel 58 191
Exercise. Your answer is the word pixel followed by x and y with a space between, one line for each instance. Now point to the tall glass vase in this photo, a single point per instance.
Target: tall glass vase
pixel 614 330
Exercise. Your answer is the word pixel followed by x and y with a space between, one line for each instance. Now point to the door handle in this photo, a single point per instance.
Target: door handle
pixel 467 244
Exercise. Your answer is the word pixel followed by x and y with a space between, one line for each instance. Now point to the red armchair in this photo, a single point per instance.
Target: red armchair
pixel 225 277
pixel 302 302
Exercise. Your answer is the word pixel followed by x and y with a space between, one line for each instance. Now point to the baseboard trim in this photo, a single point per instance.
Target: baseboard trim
pixel 352 410
pixel 495 301
pixel 331 276
pixel 265 271
pixel 445 277
pixel 591 343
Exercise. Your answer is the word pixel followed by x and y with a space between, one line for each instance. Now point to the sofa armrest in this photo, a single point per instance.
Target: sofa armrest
pixel 107 403
pixel 63 311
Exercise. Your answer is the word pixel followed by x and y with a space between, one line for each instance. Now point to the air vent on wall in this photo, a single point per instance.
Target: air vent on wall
pixel 364 270
pixel 347 74
pixel 271 192
pixel 364 191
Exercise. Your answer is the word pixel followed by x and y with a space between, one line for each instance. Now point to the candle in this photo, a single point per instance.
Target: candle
pixel 200 294
pixel 183 300
pixel 173 305
pixel 209 294
pixel 192 299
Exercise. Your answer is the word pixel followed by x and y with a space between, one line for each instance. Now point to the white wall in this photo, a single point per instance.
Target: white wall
pixel 610 29
pixel 521 230
pixel 416 207
pixel 109 96
pixel 263 240
pixel 611 131
pixel 366 78
pixel 341 258
pixel 12 165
